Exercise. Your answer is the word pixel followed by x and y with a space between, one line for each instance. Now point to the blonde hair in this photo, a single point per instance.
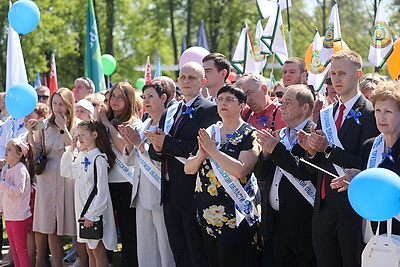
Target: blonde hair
pixel 387 91
pixel 68 99
pixel 351 55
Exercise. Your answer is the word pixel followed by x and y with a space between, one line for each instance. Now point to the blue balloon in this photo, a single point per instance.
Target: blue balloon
pixel 375 194
pixel 21 100
pixel 24 16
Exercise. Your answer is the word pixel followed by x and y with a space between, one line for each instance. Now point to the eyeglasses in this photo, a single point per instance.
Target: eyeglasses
pixel 279 94
pixel 227 100
pixel 44 97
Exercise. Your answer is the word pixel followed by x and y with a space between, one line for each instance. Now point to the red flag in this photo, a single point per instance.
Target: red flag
pixel 147 75
pixel 53 76
pixel 45 83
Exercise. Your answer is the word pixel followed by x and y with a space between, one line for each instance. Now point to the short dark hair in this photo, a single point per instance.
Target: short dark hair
pixel 237 92
pixel 220 62
pixel 298 61
pixel 159 86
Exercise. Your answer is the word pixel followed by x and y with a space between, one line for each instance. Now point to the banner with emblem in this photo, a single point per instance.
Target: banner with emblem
pixel 382 41
pixel 316 76
pixel 332 34
pixel 243 58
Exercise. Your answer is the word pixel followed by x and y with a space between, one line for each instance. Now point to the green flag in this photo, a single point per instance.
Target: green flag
pixel 93 65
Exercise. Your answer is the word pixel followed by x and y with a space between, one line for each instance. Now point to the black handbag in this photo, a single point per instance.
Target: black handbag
pixel 41 160
pixel 96 230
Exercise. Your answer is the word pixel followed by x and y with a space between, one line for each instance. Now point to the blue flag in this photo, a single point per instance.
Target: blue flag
pixel 37 80
pixel 157 73
pixel 201 37
pixel 93 64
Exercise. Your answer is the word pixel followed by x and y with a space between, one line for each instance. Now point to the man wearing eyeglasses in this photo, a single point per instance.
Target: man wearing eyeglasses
pixel 262 112
pixel 43 93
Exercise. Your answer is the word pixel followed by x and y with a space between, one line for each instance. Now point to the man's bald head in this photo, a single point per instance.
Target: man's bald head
pixel 196 67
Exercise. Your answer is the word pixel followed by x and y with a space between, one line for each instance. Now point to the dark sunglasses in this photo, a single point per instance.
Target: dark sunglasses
pixel 44 97
pixel 279 94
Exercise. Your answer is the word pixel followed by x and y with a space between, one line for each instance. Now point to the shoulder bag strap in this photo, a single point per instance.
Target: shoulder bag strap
pixel 94 190
pixel 273 118
pixel 43 143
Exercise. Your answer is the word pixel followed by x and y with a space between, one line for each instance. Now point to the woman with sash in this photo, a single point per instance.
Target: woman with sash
pixel 152 238
pixel 122 110
pixel 225 188
pixel 382 151
pixel 54 214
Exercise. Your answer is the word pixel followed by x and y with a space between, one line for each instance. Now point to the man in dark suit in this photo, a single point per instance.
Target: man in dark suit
pixel 343 128
pixel 169 146
pixel 288 202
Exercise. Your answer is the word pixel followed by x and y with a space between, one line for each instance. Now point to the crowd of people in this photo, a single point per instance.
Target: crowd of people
pixel 230 173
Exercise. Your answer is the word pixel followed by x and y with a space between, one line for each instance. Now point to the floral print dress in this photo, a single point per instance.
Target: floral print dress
pixel 214 207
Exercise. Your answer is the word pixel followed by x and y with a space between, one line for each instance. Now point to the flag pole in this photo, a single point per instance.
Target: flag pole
pixel 289 32
pixel 271 75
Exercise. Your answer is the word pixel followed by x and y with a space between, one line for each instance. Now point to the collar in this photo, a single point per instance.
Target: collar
pixel 191 101
pixel 271 107
pixel 298 127
pixel 349 104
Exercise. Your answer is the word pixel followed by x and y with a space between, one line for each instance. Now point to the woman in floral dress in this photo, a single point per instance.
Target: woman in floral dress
pixel 225 190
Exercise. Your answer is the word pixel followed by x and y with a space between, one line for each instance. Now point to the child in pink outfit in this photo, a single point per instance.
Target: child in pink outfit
pixel 15 190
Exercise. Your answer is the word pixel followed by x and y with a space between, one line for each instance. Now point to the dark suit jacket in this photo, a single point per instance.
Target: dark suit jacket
pixel 179 190
pixel 352 136
pixel 295 211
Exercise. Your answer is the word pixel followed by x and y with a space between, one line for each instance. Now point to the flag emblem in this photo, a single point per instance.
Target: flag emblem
pixel 316 67
pixel 382 37
pixel 259 56
pixel 328 41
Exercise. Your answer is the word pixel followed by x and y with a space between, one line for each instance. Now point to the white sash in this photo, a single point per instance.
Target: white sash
pixel 374 159
pixel 375 156
pixel 305 188
pixel 123 169
pixel 169 122
pixel 243 197
pixel 150 171
pixel 329 128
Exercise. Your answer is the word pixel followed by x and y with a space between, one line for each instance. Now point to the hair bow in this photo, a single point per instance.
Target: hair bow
pixel 24 146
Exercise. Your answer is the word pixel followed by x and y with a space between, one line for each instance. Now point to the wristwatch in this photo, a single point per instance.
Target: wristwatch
pixel 328 150
pixel 62 131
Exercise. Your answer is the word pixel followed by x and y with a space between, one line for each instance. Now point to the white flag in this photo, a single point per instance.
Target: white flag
pixel 16 72
pixel 243 58
pixel 266 6
pixel 382 40
pixel 273 35
pixel 317 69
pixel 261 51
pixel 332 34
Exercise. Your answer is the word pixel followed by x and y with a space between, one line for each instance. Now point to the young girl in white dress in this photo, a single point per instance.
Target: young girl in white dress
pixel 94 145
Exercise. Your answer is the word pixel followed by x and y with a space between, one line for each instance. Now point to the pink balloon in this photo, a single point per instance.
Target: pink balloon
pixel 195 53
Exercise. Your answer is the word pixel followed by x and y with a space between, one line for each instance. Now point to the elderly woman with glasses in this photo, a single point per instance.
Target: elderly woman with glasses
pixel 225 188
